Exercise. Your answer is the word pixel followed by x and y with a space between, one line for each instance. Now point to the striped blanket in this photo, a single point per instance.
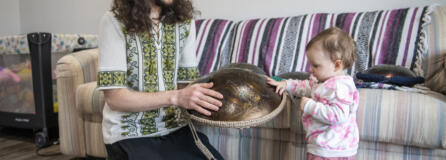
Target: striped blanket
pixel 277 45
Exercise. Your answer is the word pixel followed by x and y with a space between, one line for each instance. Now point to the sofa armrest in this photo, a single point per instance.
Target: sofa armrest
pixel 89 100
pixel 434 62
pixel 71 71
pixel 436 79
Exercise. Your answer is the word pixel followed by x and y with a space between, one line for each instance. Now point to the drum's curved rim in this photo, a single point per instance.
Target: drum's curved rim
pixel 241 124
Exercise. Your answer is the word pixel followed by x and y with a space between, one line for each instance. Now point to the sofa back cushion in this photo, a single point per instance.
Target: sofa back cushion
pixel 277 45
pixel 213 42
pixel 274 44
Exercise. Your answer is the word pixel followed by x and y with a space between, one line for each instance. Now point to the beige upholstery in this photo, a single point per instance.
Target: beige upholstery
pixel 80 132
pixel 89 100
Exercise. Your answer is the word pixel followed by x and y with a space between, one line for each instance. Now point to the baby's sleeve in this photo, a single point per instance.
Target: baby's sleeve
pixel 301 87
pixel 333 105
pixel 112 65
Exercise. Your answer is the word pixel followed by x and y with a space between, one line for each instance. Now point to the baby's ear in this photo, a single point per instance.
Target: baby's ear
pixel 338 65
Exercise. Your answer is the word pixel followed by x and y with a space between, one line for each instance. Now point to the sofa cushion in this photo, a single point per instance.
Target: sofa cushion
pixel 256 143
pixel 376 150
pixel 397 117
pixel 402 117
pixel 265 143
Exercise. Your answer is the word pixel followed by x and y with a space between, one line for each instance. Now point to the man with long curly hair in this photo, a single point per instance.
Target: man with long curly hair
pixel 145 48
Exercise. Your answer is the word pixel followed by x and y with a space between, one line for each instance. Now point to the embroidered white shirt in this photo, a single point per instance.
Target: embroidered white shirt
pixel 130 61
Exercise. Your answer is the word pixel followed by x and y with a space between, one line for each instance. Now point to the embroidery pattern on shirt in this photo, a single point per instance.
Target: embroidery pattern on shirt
pixel 129 121
pixel 188 73
pixel 172 117
pixel 150 83
pixel 184 30
pixel 111 78
pixel 132 62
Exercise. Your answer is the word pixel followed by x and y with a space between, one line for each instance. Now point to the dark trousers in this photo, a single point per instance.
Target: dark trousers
pixel 177 145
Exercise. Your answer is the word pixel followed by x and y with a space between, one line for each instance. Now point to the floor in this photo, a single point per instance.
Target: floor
pixel 18 144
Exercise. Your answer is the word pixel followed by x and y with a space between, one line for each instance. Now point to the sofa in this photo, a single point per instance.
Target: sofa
pixel 393 124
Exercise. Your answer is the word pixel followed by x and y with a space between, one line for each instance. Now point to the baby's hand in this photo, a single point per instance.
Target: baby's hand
pixel 303 101
pixel 280 85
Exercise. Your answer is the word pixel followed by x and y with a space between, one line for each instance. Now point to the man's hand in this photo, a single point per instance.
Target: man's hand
pixel 199 97
pixel 280 86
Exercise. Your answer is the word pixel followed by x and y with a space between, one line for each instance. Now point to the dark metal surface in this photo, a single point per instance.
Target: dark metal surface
pixel 390 70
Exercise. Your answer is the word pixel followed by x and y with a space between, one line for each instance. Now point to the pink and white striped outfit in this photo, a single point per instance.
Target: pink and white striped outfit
pixel 329 117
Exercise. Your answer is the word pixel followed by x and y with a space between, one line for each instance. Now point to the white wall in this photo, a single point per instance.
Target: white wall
pixel 82 16
pixel 246 9
pixel 62 16
pixel 9 17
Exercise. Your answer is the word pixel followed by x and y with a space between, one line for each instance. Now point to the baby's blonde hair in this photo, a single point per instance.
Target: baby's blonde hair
pixel 338 44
